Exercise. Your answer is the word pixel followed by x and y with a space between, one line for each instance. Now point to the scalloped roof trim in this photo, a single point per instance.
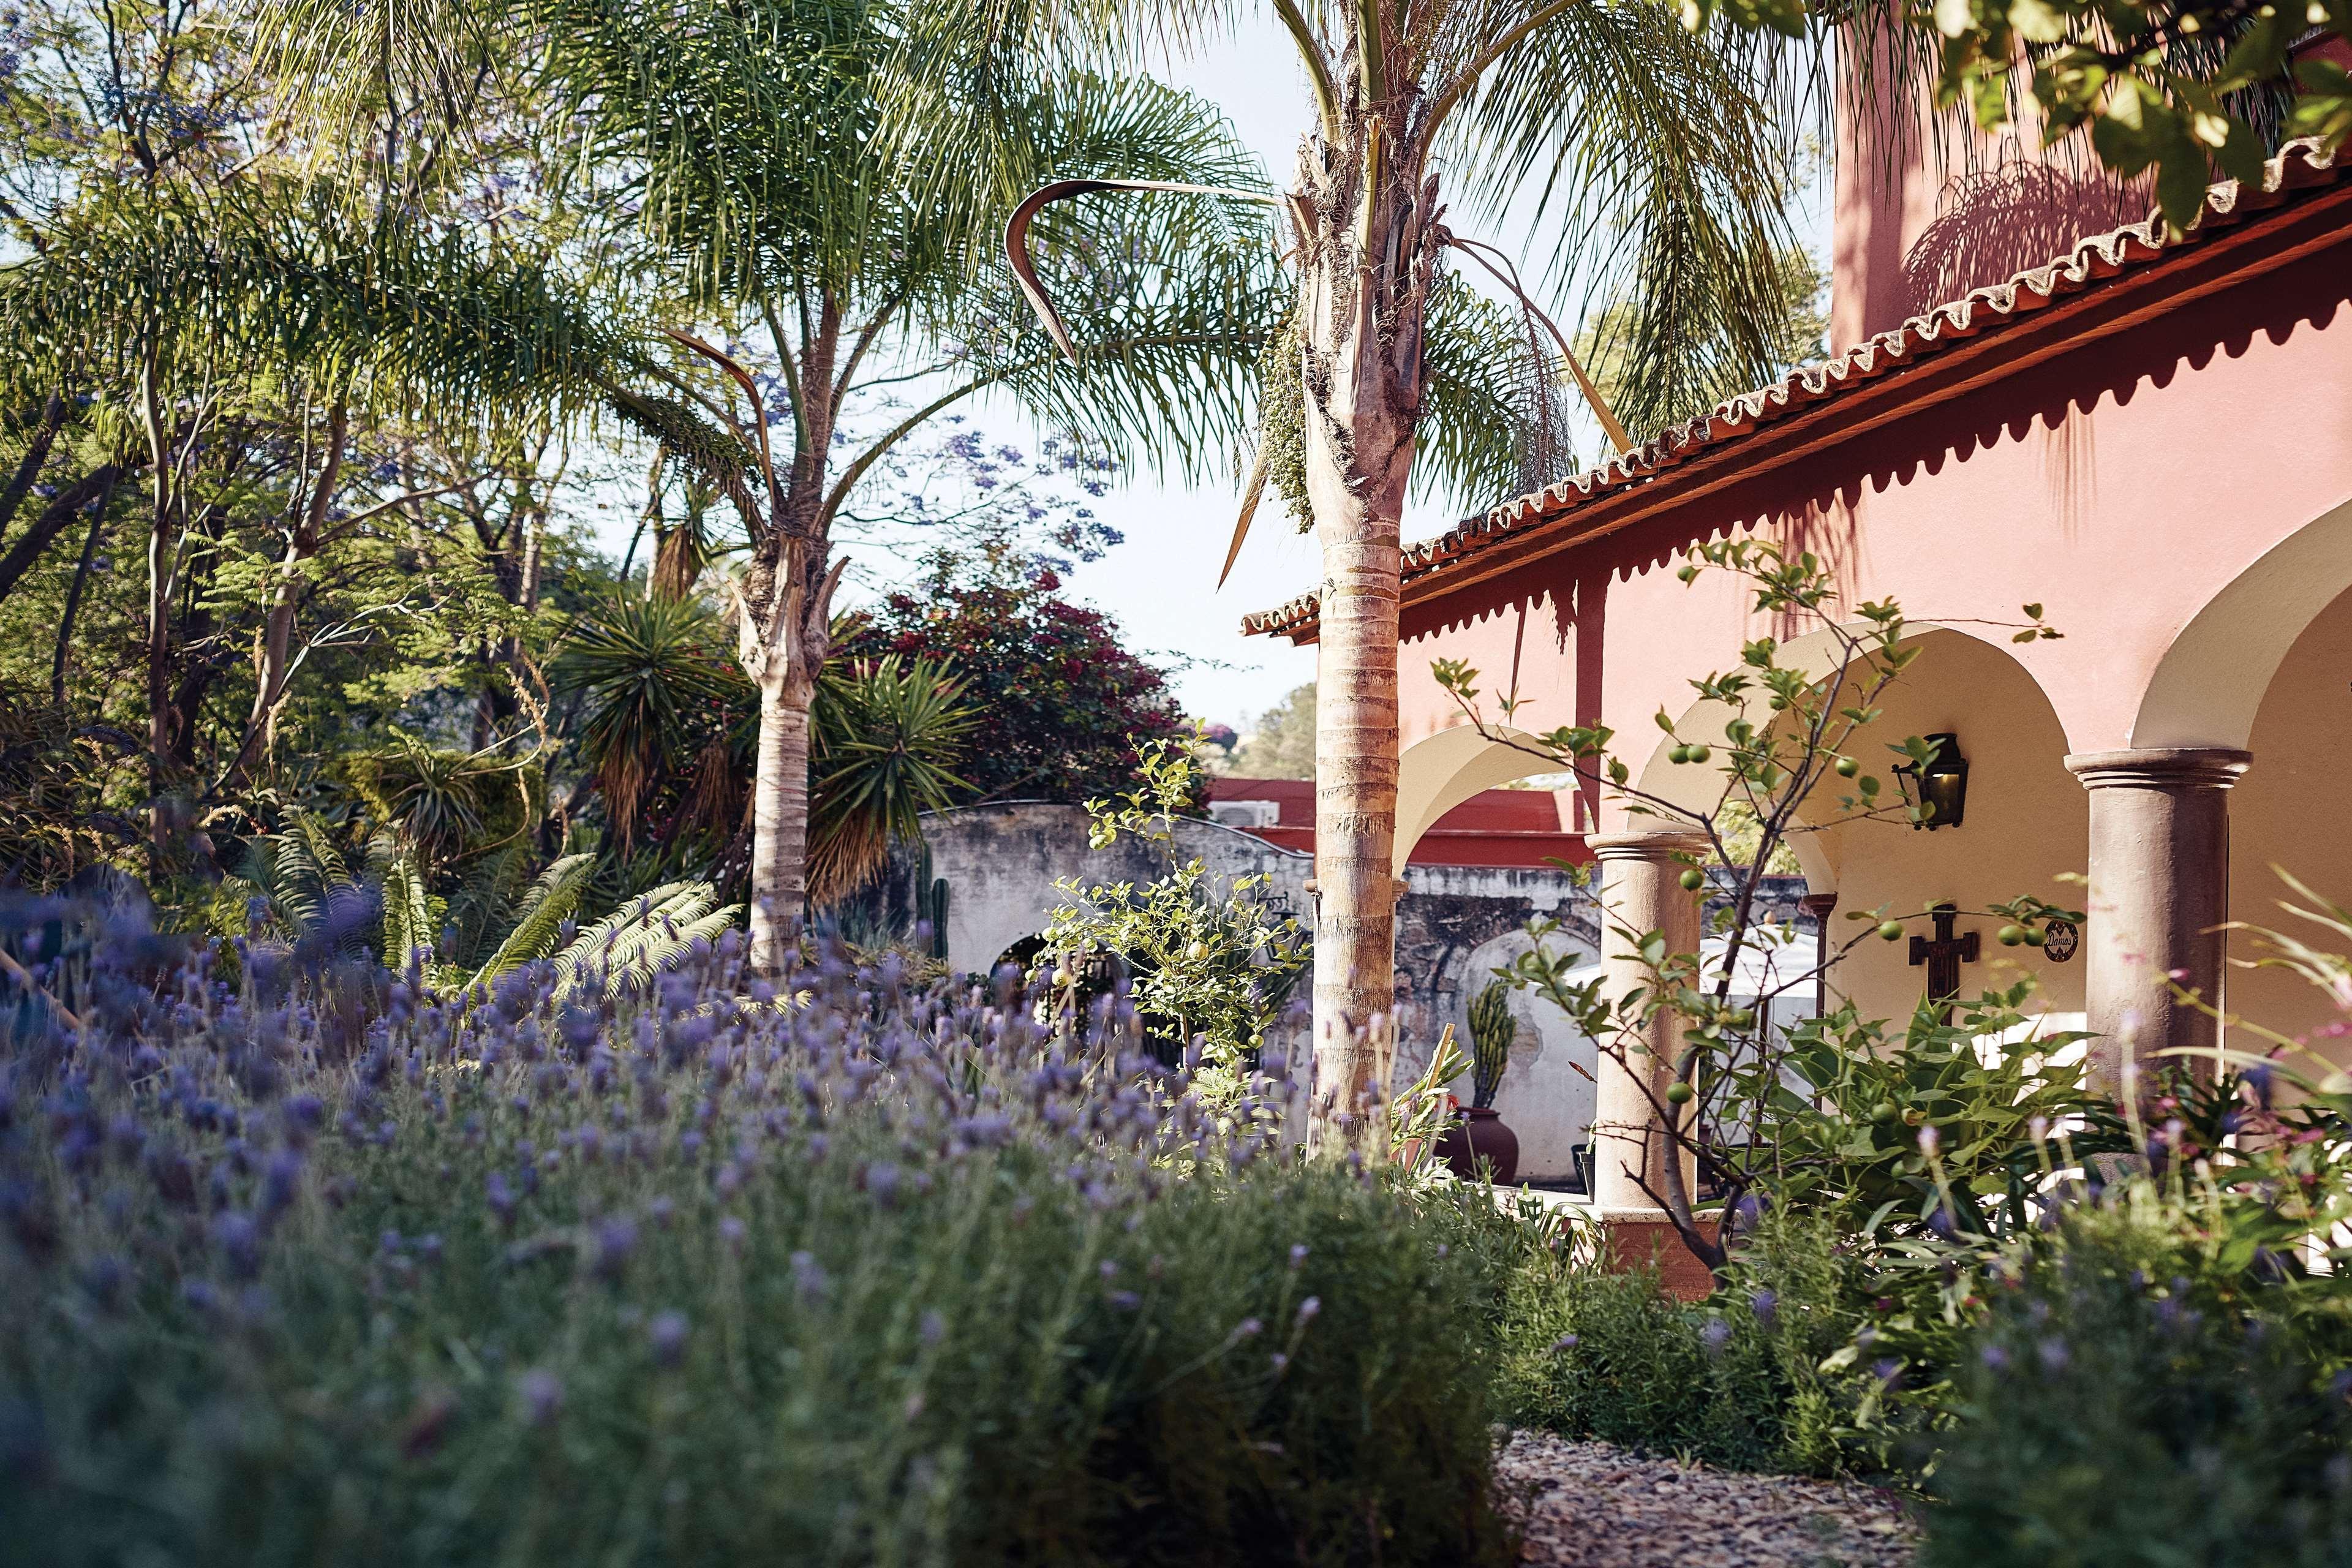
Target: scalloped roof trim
pixel 2300 164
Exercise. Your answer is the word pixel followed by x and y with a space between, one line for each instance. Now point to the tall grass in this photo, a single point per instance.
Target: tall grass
pixel 328 1269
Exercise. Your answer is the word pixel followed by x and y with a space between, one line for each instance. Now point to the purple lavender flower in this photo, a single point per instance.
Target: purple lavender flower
pixel 615 1240
pixel 543 1396
pixel 1766 1304
pixel 667 1334
pixel 1715 1335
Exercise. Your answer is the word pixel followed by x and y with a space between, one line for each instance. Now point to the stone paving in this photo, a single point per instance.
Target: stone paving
pixel 1591 1505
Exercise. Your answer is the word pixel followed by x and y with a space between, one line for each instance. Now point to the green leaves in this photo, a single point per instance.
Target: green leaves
pixel 2326 109
pixel 1209 960
pixel 889 736
pixel 2184 89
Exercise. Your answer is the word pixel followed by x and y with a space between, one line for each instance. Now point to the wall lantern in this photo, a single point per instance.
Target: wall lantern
pixel 1938 788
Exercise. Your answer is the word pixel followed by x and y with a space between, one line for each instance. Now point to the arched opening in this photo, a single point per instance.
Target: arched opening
pixel 2289 811
pixel 2215 678
pixel 2025 828
pixel 1437 774
pixel 2262 667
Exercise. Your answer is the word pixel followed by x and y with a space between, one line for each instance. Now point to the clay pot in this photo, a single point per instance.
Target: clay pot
pixel 1481 1138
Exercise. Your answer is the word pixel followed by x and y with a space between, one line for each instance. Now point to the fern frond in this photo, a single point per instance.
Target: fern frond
pixel 552 897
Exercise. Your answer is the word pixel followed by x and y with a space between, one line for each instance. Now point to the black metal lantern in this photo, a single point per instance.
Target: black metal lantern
pixel 1938 789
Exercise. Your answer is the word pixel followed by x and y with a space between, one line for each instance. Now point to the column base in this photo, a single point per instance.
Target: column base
pixel 1646 1238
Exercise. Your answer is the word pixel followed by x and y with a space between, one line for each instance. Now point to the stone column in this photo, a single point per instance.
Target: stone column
pixel 2159 892
pixel 1641 891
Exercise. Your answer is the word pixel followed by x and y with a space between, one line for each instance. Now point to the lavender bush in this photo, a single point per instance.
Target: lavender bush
pixel 329 1267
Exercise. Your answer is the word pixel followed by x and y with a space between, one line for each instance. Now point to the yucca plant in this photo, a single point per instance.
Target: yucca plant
pixel 655 686
pixel 887 739
pixel 1493 1031
pixel 440 805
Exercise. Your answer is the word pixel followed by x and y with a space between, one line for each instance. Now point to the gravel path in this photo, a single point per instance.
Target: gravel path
pixel 1591 1505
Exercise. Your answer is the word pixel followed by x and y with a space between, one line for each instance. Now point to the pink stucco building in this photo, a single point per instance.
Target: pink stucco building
pixel 2028 401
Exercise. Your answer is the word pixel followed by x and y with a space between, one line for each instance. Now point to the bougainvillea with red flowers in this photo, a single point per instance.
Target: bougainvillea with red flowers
pixel 1065 706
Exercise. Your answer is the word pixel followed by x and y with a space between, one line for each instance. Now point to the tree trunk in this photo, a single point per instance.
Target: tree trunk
pixel 275 654
pixel 36 456
pixel 64 653
pixel 52 521
pixel 1366 274
pixel 779 809
pixel 784 635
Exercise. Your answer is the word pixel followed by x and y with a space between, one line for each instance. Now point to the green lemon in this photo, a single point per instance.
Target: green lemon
pixel 1698 754
pixel 1847 767
pixel 2035 936
pixel 1678 1094
pixel 1883 1111
pixel 2010 936
pixel 1694 878
pixel 1678 753
pixel 1891 931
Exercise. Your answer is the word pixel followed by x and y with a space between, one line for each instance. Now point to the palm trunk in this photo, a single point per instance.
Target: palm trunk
pixel 1367 277
pixel 780 810
pixel 1355 818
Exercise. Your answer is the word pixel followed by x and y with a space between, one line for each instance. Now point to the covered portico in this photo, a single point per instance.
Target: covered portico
pixel 2145 438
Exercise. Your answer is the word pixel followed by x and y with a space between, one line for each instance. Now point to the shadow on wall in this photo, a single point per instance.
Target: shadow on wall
pixel 1996 222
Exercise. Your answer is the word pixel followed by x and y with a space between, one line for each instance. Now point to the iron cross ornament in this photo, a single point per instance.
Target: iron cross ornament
pixel 1942 954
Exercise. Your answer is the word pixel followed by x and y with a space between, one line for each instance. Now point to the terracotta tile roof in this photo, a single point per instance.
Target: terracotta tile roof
pixel 2299 165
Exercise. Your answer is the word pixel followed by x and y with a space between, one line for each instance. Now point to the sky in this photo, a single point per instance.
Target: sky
pixel 1161 584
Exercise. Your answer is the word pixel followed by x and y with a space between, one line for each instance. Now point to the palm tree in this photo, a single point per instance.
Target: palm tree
pixel 863 295
pixel 1658 150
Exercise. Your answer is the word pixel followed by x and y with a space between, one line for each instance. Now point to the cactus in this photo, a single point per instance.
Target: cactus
pixel 1491 1032
pixel 932 904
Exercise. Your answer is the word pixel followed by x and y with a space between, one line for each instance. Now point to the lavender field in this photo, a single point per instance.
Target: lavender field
pixel 309 1262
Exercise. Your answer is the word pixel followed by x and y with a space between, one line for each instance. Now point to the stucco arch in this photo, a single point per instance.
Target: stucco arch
pixel 1816 655
pixel 1437 774
pixel 2209 684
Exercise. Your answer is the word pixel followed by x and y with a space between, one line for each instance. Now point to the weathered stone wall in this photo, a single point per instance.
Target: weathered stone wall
pixel 1454 926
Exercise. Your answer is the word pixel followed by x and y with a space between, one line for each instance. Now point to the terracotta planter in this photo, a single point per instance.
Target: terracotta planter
pixel 1480 1138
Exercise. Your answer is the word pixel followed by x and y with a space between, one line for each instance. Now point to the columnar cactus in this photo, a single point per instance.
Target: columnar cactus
pixel 1491 1032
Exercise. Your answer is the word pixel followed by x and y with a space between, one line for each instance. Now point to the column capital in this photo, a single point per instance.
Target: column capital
pixel 2161 767
pixel 1651 843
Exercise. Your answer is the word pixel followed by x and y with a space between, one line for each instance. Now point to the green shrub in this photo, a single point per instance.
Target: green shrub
pixel 885 1276
pixel 1736 1380
pixel 2129 1406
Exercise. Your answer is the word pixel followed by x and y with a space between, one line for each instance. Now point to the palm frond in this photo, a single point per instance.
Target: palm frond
pixel 1667 156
